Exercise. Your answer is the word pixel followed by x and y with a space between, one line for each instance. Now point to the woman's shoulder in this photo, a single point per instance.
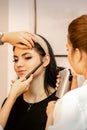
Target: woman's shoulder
pixel 52 96
pixel 4 102
pixel 19 99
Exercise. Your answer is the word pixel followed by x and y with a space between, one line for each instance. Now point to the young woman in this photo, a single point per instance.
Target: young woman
pixel 70 112
pixel 29 109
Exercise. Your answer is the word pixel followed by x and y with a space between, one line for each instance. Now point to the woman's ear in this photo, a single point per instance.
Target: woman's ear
pixel 46 60
pixel 78 54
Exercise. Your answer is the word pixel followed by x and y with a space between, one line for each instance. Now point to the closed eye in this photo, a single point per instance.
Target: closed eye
pixel 15 60
pixel 27 58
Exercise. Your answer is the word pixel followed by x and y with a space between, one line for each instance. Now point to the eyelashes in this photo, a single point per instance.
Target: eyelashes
pixel 25 58
pixel 15 60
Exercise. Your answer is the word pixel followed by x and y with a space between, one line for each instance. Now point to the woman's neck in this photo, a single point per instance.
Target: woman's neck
pixel 36 90
pixel 31 98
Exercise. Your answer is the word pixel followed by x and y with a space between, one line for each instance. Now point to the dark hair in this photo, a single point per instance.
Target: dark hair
pixel 77 33
pixel 51 69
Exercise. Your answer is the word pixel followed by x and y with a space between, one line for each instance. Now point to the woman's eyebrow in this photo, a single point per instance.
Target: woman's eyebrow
pixel 14 56
pixel 26 53
pixel 22 54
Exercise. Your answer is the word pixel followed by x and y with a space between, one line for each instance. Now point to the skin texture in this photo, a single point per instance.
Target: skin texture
pixel 20 39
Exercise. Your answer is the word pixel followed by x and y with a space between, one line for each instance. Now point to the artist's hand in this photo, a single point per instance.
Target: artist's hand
pixel 20 86
pixel 58 80
pixel 49 112
pixel 20 39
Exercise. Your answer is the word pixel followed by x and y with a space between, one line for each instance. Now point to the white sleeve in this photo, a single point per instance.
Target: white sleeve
pixel 1 127
pixel 67 114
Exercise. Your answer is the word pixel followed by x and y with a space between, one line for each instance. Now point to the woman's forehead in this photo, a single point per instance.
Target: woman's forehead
pixel 18 51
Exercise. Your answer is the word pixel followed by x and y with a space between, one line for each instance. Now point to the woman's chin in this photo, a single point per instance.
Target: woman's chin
pixel 21 76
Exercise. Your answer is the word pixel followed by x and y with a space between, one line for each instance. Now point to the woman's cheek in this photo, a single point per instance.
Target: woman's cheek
pixel 15 68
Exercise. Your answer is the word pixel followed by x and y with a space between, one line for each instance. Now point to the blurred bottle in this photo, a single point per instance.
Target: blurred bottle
pixel 65 82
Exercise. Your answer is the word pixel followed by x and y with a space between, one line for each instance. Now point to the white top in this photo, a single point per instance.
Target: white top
pixel 1 127
pixel 70 112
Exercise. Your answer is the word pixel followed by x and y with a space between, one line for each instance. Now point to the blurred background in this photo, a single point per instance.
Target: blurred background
pixel 50 18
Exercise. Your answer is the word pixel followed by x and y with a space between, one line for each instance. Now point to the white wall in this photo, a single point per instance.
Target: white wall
pixel 53 17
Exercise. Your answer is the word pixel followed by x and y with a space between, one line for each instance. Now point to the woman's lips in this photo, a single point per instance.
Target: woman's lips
pixel 22 72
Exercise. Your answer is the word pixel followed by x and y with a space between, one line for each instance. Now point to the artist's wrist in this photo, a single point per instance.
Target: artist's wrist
pixel 5 37
pixel 12 97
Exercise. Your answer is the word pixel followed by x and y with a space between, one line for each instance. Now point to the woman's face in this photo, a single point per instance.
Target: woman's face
pixel 25 60
pixel 77 59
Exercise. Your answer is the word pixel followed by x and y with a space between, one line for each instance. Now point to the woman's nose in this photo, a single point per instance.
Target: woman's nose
pixel 20 63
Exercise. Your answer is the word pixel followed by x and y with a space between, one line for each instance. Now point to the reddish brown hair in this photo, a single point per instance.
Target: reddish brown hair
pixel 77 32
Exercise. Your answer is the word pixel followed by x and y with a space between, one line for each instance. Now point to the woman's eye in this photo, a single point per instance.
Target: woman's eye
pixel 27 58
pixel 15 60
